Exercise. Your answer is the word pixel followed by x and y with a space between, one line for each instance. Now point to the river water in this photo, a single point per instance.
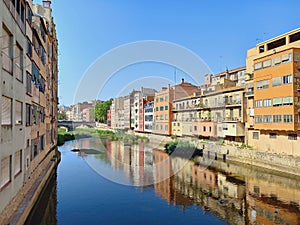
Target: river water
pixel 116 183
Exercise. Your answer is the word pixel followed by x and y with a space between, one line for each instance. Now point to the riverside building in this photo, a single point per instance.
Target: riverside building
pixel 28 103
pixel 275 65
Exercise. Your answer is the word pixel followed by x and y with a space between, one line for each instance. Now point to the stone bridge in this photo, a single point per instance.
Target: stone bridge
pixel 72 125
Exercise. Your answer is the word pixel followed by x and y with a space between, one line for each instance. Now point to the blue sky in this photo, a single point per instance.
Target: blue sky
pixel 220 32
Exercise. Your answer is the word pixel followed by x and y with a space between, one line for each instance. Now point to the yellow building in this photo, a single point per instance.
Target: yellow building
pixel 276 80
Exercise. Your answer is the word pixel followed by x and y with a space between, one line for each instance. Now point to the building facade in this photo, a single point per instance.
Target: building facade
pixel 276 78
pixel 163 104
pixel 28 104
pixel 148 116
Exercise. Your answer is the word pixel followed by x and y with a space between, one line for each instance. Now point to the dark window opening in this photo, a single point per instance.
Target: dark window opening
pixel 272 135
pixel 261 49
pixel 295 37
pixel 276 44
pixel 292 137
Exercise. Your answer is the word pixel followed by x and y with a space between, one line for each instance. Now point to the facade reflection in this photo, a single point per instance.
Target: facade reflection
pixel 238 194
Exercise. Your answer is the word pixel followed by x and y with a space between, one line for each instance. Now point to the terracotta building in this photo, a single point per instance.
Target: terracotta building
pixel 163 104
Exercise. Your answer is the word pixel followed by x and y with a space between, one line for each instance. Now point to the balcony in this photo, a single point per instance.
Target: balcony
pixel 249 94
pixel 233 103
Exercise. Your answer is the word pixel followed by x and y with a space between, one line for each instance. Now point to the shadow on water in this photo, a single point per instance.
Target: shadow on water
pixel 44 211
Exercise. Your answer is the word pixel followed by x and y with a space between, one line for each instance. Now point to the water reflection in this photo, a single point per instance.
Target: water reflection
pixel 238 194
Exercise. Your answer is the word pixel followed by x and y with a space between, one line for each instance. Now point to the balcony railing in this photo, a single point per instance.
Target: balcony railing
pixel 249 93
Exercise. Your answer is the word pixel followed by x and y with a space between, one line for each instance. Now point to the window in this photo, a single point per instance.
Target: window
pixel 276 61
pixel 166 107
pixel 42 142
pixel 263 84
pixel 296 57
pixel 295 37
pixel 255 135
pixel 156 99
pixel 5 172
pixel 161 99
pixel 266 63
pixel 277 102
pixel 267 119
pixel 287 101
pixel 166 117
pixel 276 81
pixel 161 108
pixel 35 150
pixel 204 128
pixel 276 44
pixel 6 111
pixel 166 127
pixel 28 83
pixel 28 115
pixel 29 48
pixel 287 118
pixel 195 128
pixel 42 85
pixel 19 63
pixel 6 50
pixel 166 98
pixel 18 162
pixel 258 66
pixel 256 190
pixel 287 79
pixel 206 102
pixel 258 119
pixel 156 109
pixel 29 15
pixel 292 137
pixel 261 48
pixel 18 113
pixel 267 103
pixel 258 103
pixel 286 58
pixel 277 118
pixel 161 117
pixel 35 74
pixel 272 135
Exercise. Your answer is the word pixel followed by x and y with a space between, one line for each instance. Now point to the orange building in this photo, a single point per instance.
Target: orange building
pixel 276 68
pixel 163 104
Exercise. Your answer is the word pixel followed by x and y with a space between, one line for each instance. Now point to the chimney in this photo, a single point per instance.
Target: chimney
pixel 47 4
pixel 182 81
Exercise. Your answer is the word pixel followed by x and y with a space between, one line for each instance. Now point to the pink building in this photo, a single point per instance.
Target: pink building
pixel 86 115
pixel 109 118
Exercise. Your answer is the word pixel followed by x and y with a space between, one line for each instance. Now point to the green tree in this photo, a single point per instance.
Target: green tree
pixel 62 116
pixel 101 110
pixel 92 114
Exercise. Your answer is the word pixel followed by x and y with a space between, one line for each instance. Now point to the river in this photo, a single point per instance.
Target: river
pixel 116 183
